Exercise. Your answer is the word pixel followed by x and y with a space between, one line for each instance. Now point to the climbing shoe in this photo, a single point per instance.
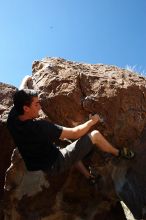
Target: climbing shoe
pixel 94 180
pixel 126 153
pixel 94 177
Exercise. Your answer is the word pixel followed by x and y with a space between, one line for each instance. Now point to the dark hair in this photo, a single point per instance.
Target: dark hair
pixel 23 97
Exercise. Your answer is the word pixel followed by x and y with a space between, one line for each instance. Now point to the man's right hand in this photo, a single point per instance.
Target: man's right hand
pixel 80 130
pixel 94 118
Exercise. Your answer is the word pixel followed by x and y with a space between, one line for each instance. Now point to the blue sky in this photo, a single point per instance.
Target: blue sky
pixel 91 31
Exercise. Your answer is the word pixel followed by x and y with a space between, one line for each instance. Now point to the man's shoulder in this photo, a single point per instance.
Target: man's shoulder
pixel 49 126
pixel 41 122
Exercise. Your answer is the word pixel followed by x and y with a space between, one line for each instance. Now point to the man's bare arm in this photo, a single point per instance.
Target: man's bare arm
pixel 80 130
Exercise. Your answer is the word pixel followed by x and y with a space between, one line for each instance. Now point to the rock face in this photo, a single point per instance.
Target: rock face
pixel 130 179
pixel 6 144
pixel 35 195
pixel 69 92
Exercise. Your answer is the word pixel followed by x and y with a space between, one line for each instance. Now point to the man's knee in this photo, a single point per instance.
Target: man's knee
pixel 95 136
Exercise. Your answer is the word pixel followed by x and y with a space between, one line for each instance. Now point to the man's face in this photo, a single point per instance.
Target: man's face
pixel 32 111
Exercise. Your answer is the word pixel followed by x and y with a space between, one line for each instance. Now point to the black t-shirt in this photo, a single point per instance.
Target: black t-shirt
pixel 35 140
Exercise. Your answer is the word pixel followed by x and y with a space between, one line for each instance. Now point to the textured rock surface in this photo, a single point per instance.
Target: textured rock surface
pixel 6 92
pixel 6 144
pixel 130 179
pixel 69 92
pixel 34 195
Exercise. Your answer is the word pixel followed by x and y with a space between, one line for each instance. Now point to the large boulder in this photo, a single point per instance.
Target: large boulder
pixel 68 92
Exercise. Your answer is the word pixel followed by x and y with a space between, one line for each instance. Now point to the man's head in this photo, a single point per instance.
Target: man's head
pixel 26 103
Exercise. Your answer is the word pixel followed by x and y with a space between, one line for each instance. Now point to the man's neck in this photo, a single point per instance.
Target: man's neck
pixel 24 117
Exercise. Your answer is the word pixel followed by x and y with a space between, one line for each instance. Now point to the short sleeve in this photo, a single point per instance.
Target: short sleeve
pixel 50 130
